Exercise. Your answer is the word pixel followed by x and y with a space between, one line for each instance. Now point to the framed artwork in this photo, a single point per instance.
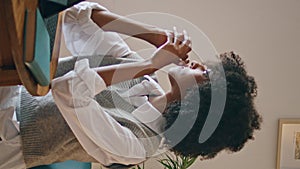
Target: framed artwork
pixel 288 149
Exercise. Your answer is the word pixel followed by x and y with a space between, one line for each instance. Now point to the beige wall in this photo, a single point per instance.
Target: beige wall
pixel 266 33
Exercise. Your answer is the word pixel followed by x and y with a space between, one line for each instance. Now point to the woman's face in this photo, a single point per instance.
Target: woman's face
pixel 188 74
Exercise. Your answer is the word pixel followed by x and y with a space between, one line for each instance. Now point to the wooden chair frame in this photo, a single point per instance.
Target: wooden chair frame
pixel 12 68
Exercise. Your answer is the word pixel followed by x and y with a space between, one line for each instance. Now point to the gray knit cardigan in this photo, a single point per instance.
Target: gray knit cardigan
pixel 47 138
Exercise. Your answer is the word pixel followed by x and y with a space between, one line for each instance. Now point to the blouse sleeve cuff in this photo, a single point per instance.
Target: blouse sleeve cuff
pixel 92 80
pixel 81 13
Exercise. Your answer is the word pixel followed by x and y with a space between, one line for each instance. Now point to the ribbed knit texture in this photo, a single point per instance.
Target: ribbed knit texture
pixel 120 110
pixel 46 137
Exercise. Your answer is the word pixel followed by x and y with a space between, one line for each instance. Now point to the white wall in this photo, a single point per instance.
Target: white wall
pixel 266 33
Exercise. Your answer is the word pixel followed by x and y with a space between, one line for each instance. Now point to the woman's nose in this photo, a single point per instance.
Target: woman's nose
pixel 196 65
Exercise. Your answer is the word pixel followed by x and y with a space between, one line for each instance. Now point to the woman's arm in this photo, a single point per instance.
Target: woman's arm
pixel 109 21
pixel 170 52
pixel 121 72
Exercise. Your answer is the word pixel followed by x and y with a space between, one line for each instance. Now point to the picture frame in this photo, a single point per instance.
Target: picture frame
pixel 288 148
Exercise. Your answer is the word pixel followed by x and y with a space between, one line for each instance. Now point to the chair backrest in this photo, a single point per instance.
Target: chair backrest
pixel 12 66
pixel 8 72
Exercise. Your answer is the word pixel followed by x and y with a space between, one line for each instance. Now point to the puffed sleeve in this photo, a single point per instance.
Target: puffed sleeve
pixel 84 37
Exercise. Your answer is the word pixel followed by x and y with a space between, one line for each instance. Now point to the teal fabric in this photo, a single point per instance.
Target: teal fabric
pixel 66 165
pixel 40 67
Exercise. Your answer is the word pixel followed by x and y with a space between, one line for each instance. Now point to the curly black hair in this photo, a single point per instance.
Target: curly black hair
pixel 239 118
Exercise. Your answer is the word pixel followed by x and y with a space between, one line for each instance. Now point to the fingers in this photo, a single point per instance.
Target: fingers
pixel 176 41
pixel 181 38
pixel 186 61
pixel 180 44
pixel 186 44
pixel 187 39
pixel 181 41
pixel 184 58
pixel 178 38
pixel 169 37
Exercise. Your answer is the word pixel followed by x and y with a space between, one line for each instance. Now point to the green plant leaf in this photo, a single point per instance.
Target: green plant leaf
pixel 166 163
pixel 190 162
pixel 176 161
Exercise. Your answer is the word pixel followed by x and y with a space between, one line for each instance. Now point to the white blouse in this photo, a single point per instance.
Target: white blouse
pixel 100 135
